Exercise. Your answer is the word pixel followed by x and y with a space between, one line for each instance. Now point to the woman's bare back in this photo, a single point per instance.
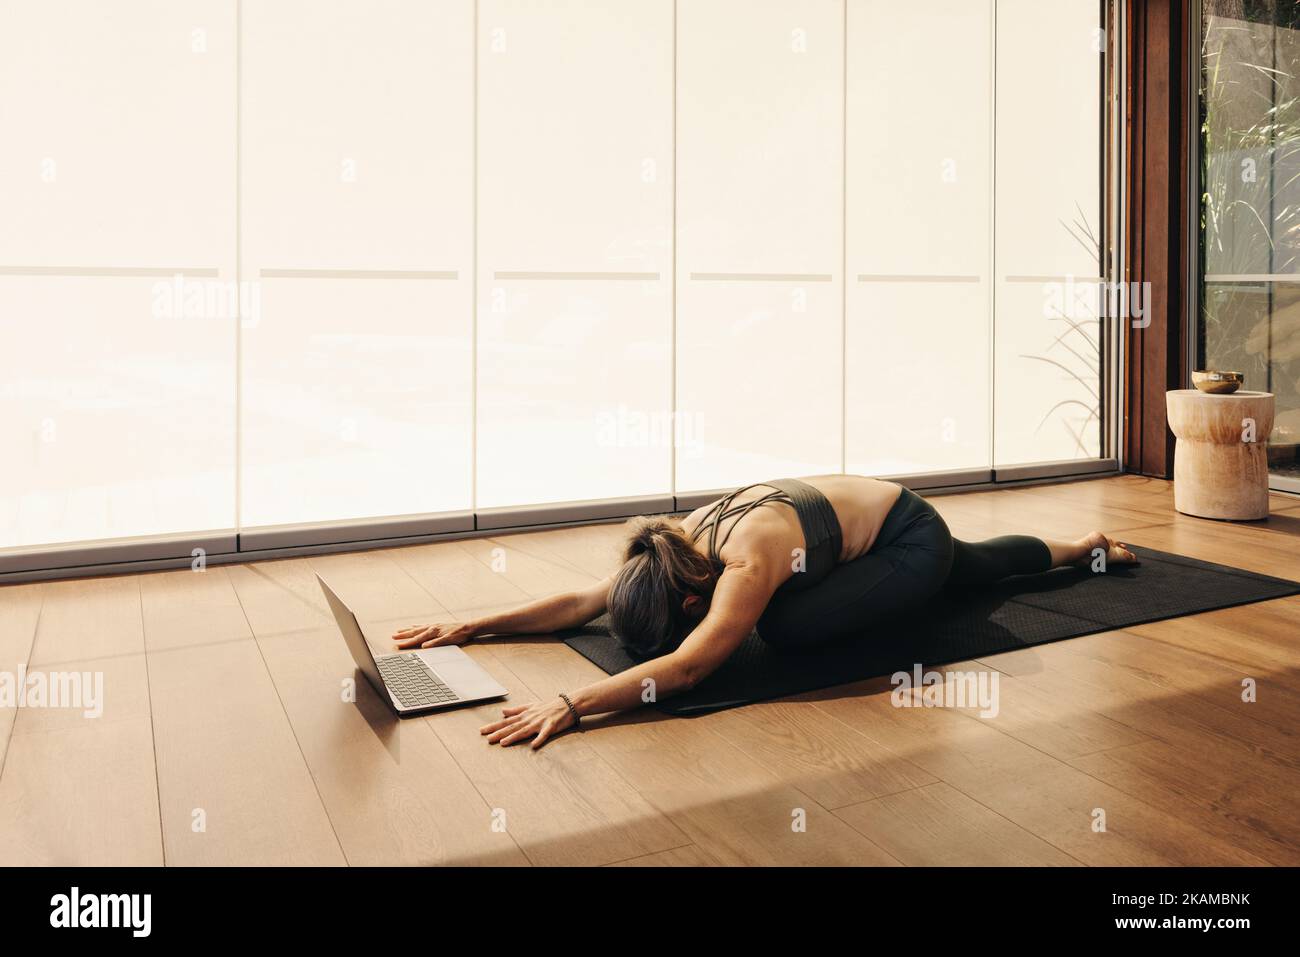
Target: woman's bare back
pixel 860 504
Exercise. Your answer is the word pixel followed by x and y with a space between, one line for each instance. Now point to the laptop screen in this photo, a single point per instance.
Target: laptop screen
pixel 356 641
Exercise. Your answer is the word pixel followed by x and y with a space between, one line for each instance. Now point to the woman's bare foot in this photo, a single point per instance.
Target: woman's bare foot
pixel 1117 553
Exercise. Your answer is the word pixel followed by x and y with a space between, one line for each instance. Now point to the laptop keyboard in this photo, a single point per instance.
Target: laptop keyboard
pixel 412 683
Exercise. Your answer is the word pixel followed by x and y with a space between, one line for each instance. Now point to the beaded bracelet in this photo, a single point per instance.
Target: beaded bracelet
pixel 577 721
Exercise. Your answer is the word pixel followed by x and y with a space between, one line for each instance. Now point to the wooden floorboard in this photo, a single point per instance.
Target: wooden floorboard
pixel 1268 549
pixel 1218 790
pixel 1165 691
pixel 392 790
pixel 82 791
pixel 279 597
pixel 20 611
pixel 937 825
pixel 453 575
pixel 1062 721
pixel 377 585
pixel 564 804
pixel 90 618
pixel 729 803
pixel 1251 637
pixel 232 782
pixel 237 730
pixel 184 608
pixel 686 856
pixel 1101 825
pixel 833 764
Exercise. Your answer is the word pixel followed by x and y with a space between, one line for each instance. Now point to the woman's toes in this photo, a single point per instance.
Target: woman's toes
pixel 1119 553
pixel 1116 552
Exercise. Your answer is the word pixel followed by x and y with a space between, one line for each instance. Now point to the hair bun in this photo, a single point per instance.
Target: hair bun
pixel 662 567
pixel 644 535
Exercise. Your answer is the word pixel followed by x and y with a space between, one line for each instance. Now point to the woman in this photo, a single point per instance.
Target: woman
pixel 803 561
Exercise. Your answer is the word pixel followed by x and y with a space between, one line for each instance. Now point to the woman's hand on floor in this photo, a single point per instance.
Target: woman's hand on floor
pixel 431 636
pixel 540 721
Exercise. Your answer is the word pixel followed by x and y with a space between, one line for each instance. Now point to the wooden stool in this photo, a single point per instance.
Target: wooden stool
pixel 1218 472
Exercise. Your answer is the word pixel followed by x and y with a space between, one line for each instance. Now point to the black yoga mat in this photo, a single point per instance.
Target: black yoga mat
pixel 961 624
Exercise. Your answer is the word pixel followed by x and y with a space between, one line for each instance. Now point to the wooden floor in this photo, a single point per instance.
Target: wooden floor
pixel 225 739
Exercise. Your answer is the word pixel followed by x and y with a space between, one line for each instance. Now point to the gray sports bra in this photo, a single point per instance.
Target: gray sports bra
pixel 823 539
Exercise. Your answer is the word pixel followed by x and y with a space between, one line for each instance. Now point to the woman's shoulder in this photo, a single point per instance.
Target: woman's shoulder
pixel 842 480
pixel 690 521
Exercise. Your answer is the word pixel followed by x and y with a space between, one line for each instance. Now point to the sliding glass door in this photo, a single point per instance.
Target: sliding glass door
pixel 356 181
pixel 299 272
pixel 117 376
pixel 575 187
pixel 1051 263
pixel 919 232
pixel 1249 317
pixel 759 203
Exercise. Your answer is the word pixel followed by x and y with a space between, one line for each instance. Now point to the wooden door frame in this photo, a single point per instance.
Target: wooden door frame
pixel 1161 220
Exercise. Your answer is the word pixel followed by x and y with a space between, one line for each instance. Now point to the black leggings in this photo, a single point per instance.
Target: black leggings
pixel 913 557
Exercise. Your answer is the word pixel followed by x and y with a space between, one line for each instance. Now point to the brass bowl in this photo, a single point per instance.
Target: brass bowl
pixel 1218 383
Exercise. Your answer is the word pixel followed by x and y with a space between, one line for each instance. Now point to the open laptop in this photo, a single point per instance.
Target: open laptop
pixel 417 681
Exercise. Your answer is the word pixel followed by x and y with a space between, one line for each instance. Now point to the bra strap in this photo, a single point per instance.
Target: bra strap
pixel 722 511
pixel 741 511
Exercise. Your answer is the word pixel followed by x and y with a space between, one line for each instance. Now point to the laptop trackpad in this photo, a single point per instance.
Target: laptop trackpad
pixel 465 676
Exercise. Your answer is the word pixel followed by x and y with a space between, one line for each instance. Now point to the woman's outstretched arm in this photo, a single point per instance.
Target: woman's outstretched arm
pixel 541 617
pixel 739 598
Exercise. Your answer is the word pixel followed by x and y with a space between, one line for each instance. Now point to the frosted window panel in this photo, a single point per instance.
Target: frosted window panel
pixel 116 421
pixel 572 398
pixel 358 133
pixel 356 400
pixel 116 404
pixel 918 378
pixel 575 212
pixel 1048 225
pixel 918 335
pixel 772 417
pixel 759 239
pixel 357 229
pixel 119 133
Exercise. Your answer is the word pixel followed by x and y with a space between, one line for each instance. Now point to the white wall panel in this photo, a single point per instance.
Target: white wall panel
pixel 918 221
pixel 115 422
pixel 119 133
pixel 574 253
pixel 759 238
pixel 357 225
pixel 1048 225
pixel 116 171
